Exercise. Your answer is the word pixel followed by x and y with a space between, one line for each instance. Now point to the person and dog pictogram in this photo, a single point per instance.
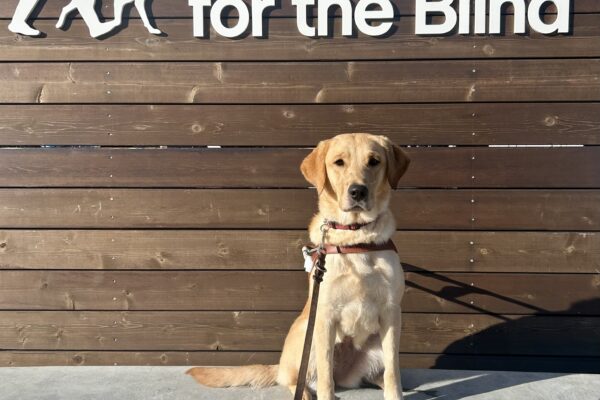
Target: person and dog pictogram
pixel 87 10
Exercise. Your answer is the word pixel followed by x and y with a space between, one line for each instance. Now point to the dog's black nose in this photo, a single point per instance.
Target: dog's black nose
pixel 358 192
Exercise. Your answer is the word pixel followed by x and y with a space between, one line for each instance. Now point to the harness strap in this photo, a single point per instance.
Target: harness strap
pixel 356 248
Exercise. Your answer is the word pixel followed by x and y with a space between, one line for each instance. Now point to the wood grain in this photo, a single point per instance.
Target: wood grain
pixel 310 82
pixel 492 209
pixel 284 42
pixel 292 209
pixel 432 251
pixel 265 331
pixel 146 290
pixel 298 125
pixel 150 250
pixel 166 8
pixel 112 358
pixel 252 168
pixel 286 291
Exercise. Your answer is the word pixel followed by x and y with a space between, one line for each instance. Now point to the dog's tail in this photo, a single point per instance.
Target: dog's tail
pixel 250 375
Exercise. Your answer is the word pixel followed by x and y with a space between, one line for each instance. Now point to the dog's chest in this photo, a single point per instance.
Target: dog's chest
pixel 356 289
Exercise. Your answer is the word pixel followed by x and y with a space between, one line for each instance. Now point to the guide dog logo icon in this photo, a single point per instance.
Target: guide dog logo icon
pixel 86 9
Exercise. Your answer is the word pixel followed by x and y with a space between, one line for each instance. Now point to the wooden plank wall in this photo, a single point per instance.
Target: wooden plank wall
pixel 124 239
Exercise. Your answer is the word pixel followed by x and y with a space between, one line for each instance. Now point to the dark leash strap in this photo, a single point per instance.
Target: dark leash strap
pixel 318 278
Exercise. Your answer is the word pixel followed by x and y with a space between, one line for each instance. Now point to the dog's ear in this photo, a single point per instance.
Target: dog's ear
pixel 397 162
pixel 313 166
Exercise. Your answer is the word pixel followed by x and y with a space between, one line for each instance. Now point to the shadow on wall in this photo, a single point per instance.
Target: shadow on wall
pixel 568 343
pixel 560 342
pixel 545 341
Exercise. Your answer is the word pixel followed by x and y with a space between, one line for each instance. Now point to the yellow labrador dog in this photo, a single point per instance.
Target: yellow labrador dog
pixel 357 329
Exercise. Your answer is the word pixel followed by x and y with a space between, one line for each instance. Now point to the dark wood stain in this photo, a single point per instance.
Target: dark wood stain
pixel 124 240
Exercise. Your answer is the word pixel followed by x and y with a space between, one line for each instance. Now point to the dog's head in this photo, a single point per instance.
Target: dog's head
pixel 354 173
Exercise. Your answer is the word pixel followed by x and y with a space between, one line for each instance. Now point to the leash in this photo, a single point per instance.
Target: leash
pixel 319 266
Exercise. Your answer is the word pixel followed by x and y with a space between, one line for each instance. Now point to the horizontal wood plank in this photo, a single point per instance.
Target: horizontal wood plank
pixel 484 293
pixel 284 42
pixel 105 358
pixel 298 125
pixel 226 358
pixel 432 251
pixel 151 249
pixel 430 167
pixel 166 8
pixel 302 82
pixel 265 331
pixel 505 209
pixel 286 291
pixel 77 290
pixel 292 209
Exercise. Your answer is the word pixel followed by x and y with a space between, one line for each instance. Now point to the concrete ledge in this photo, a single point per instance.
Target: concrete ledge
pixel 170 383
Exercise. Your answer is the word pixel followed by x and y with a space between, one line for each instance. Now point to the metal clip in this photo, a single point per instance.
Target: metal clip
pixel 324 228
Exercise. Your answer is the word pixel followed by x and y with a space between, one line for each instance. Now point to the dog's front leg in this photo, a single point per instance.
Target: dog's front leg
pixel 324 343
pixel 390 344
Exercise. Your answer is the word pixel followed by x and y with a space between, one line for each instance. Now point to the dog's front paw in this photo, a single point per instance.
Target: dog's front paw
pixel 327 396
pixel 392 395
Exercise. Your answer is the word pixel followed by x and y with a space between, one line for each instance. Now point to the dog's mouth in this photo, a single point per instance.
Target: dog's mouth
pixel 356 207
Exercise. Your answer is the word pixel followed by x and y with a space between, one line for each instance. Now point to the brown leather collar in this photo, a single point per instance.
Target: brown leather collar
pixel 351 227
pixel 355 248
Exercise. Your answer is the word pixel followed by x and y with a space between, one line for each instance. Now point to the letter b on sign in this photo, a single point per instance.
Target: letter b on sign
pixel 423 7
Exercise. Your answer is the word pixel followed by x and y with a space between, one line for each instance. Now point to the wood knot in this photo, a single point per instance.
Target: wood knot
pixel 222 250
pixel 550 121
pixel 152 42
pixel 197 128
pixel 488 50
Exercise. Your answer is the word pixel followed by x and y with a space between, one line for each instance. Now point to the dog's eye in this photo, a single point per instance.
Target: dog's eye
pixel 339 162
pixel 373 162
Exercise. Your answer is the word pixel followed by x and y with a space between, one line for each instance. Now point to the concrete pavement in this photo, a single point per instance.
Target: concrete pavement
pixel 170 383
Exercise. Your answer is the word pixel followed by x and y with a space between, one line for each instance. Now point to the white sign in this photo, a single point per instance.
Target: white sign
pixel 456 15
pixel 361 15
